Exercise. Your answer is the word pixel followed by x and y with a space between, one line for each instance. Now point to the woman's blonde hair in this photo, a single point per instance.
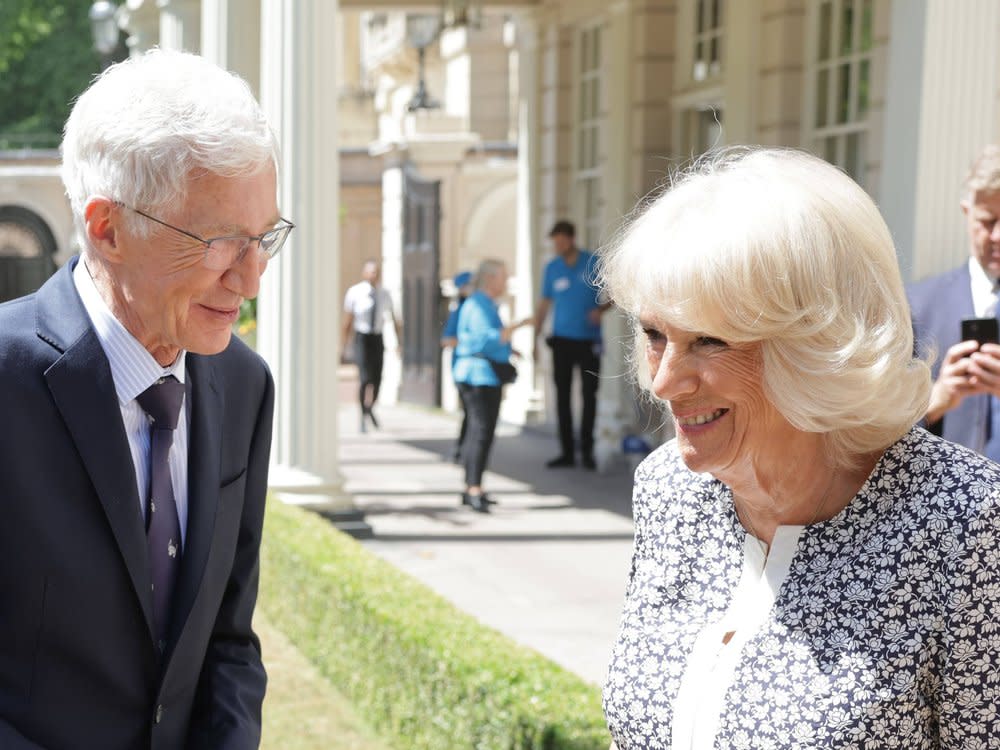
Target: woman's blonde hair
pixel 779 247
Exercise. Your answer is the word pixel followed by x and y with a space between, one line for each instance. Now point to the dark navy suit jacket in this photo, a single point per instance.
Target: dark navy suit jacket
pixel 937 306
pixel 78 664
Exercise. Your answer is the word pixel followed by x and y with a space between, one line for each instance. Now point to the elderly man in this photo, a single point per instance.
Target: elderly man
pixel 964 406
pixel 134 454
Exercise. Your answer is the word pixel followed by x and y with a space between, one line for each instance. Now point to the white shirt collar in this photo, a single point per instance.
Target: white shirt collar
pixel 983 289
pixel 133 368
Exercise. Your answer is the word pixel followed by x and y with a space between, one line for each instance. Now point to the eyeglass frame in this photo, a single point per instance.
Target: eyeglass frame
pixel 287 227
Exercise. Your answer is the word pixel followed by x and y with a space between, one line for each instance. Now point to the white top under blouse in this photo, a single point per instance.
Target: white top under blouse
pixel 711 667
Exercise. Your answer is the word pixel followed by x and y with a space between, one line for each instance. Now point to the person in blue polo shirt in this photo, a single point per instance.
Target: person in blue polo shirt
pixel 568 288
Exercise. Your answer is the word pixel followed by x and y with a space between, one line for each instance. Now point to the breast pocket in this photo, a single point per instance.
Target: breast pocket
pixel 237 478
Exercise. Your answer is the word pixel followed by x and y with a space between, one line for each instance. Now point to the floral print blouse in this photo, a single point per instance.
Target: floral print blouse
pixel 885 634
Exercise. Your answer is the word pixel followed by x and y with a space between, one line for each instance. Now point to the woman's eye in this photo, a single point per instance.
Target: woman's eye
pixel 709 341
pixel 652 335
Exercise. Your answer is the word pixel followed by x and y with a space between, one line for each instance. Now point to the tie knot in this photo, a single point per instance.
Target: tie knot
pixel 162 402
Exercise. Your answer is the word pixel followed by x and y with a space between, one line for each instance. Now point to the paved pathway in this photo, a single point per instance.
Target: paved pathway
pixel 547 567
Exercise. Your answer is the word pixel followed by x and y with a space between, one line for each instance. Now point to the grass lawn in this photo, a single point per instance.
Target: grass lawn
pixel 302 711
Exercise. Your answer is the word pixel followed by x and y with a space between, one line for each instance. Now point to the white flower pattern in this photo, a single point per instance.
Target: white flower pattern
pixel 886 633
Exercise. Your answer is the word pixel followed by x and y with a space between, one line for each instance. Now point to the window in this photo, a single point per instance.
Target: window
pixel 702 128
pixel 707 40
pixel 842 82
pixel 588 136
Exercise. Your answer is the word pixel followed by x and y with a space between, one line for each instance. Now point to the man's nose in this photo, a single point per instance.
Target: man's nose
pixel 244 275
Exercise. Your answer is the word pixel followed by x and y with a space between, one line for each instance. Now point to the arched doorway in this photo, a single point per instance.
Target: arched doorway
pixel 27 251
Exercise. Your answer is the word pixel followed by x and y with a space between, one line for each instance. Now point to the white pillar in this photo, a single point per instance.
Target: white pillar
pixel 298 316
pixel 141 21
pixel 392 267
pixel 528 391
pixel 941 111
pixel 230 37
pixel 615 412
pixel 180 24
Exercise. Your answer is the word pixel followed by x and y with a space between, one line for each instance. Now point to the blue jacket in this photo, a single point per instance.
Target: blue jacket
pixel 937 306
pixel 479 328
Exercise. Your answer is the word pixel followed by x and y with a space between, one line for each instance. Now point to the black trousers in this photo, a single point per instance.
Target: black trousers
pixel 482 408
pixel 369 353
pixel 465 424
pixel 568 354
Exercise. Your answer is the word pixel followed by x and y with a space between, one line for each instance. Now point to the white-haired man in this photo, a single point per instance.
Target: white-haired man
pixel 964 406
pixel 133 463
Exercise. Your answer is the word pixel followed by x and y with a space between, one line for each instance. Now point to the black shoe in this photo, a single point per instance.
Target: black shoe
pixel 560 462
pixel 483 498
pixel 479 503
pixel 588 463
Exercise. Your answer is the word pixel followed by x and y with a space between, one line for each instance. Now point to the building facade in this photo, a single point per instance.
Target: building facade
pixel 571 109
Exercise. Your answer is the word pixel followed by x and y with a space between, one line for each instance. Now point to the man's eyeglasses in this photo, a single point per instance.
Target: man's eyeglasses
pixel 224 252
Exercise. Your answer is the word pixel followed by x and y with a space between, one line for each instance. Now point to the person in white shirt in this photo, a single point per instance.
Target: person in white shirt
pixel 365 306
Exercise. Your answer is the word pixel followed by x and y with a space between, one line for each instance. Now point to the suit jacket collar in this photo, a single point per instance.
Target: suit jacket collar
pixel 83 389
pixel 204 478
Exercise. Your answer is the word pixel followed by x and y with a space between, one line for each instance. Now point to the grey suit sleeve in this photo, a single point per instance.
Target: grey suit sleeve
pixel 227 709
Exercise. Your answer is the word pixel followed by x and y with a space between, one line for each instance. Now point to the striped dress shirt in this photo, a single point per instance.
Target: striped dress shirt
pixel 133 370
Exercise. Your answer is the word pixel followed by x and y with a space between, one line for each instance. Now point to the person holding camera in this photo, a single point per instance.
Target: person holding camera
pixel 954 316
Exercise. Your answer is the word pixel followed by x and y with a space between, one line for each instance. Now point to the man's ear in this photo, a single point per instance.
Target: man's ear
pixel 102 221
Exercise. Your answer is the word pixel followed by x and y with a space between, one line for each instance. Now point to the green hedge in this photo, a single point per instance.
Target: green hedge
pixel 421 672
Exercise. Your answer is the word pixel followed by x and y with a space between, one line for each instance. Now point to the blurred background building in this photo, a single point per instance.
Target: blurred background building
pixel 431 135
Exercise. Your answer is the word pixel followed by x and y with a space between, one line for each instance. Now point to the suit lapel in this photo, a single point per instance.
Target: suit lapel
pixel 83 390
pixel 204 454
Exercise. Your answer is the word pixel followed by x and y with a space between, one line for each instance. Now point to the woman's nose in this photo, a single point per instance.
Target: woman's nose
pixel 673 375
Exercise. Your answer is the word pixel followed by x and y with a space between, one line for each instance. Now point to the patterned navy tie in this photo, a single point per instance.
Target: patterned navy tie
pixel 162 402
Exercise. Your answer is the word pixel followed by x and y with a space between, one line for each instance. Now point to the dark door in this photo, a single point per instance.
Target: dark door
pixel 421 291
pixel 27 250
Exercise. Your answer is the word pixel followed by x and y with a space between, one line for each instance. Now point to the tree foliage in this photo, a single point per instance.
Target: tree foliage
pixel 46 60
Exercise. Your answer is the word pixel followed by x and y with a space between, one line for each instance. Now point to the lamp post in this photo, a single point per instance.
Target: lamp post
pixel 421 30
pixel 104 26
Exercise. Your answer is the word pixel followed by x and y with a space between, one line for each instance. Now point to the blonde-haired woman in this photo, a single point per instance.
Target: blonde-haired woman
pixel 810 568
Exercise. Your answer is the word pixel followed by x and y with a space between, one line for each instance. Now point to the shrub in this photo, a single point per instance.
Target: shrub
pixel 421 672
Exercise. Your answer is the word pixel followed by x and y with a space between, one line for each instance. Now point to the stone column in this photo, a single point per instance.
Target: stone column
pixel 180 24
pixel 298 319
pixel 615 413
pixel 527 390
pixel 943 77
pixel 230 37
pixel 140 20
